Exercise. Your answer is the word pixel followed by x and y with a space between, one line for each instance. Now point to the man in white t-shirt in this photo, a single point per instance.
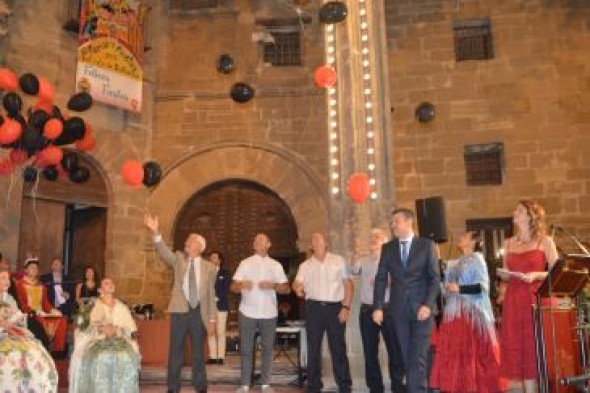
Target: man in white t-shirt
pixel 324 281
pixel 258 279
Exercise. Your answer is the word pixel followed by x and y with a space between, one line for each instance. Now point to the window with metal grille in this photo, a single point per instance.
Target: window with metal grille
pixel 282 48
pixel 192 5
pixel 484 164
pixel 473 40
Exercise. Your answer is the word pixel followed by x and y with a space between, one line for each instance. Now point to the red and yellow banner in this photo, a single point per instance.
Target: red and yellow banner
pixel 110 52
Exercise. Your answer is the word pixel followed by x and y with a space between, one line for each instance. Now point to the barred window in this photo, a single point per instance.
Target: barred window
pixel 484 164
pixel 473 40
pixel 283 48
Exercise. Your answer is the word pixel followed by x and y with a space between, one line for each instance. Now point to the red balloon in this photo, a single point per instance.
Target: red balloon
pixel 46 92
pixel 51 155
pixel 6 167
pixel 325 76
pixel 53 128
pixel 8 80
pixel 44 106
pixel 18 156
pixel 358 187
pixel 132 172
pixel 10 131
pixel 86 144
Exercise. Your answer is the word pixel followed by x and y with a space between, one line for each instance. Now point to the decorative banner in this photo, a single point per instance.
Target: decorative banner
pixel 110 52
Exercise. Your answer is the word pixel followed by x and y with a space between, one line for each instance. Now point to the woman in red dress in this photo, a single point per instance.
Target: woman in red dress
pixel 468 354
pixel 528 256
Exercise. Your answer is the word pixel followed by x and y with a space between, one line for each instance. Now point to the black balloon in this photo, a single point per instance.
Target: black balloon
pixel 30 174
pixel 38 118
pixel 333 12
pixel 80 174
pixel 31 140
pixel 425 112
pixel 69 161
pixel 75 128
pixel 80 102
pixel 12 103
pixel 56 112
pixel 225 64
pixel 50 173
pixel 242 92
pixel 29 83
pixel 152 173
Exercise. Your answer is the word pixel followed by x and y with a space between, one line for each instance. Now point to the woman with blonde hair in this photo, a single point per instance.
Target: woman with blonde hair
pixel 528 256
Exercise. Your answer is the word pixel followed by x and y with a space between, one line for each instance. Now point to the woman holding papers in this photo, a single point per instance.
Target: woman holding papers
pixel 468 354
pixel 528 255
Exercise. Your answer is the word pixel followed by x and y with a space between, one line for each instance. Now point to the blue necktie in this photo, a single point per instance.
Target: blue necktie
pixel 405 247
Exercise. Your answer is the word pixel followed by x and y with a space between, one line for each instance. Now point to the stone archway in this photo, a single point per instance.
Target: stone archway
pixel 66 220
pixel 279 170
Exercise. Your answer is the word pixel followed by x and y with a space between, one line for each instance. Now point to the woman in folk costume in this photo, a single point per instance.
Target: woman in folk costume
pixel 106 355
pixel 25 365
pixel 468 355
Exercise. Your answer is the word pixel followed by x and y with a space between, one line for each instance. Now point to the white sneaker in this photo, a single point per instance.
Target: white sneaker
pixel 267 389
pixel 242 389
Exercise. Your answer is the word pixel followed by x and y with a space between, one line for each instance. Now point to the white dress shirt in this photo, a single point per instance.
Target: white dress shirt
pixel 323 280
pixel 259 303
pixel 408 245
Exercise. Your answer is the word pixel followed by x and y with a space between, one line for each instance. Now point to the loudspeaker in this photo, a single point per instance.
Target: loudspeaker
pixel 431 218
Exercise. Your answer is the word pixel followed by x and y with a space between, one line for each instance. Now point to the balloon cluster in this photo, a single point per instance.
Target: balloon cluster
pixel 134 173
pixel 36 135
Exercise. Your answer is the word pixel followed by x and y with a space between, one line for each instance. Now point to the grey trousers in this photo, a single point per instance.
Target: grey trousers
pixel 182 324
pixel 266 328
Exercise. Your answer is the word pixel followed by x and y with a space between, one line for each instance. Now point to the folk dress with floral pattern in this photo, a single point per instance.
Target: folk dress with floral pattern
pixel 25 365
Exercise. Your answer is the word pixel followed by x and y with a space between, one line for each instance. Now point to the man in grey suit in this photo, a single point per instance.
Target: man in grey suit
pixel 192 305
pixel 412 264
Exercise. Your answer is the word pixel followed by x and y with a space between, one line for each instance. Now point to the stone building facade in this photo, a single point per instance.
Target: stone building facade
pixel 531 96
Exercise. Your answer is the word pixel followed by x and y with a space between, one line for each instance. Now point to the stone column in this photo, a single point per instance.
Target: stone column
pixel 360 50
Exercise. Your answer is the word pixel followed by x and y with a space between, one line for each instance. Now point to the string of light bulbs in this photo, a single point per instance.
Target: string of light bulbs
pixel 368 96
pixel 332 105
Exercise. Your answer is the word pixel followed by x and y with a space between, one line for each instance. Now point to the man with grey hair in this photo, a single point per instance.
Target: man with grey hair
pixel 366 267
pixel 192 305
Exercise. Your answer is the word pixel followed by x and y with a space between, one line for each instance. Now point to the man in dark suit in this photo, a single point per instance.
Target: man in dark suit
pixel 58 290
pixel 412 264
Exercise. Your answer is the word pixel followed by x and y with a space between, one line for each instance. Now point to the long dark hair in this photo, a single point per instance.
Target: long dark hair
pixel 96 276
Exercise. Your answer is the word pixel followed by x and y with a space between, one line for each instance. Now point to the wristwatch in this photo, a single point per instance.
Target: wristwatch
pixel 346 307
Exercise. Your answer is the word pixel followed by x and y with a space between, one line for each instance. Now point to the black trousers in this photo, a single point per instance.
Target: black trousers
pixel 182 324
pixel 320 318
pixel 370 333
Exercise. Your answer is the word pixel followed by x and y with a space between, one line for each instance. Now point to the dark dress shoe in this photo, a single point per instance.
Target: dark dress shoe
pixel 212 361
pixel 219 361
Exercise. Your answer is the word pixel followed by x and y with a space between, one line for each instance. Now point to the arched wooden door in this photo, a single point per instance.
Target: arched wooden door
pixel 230 213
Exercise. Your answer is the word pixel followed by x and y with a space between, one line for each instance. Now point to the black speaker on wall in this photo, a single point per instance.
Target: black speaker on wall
pixel 430 213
